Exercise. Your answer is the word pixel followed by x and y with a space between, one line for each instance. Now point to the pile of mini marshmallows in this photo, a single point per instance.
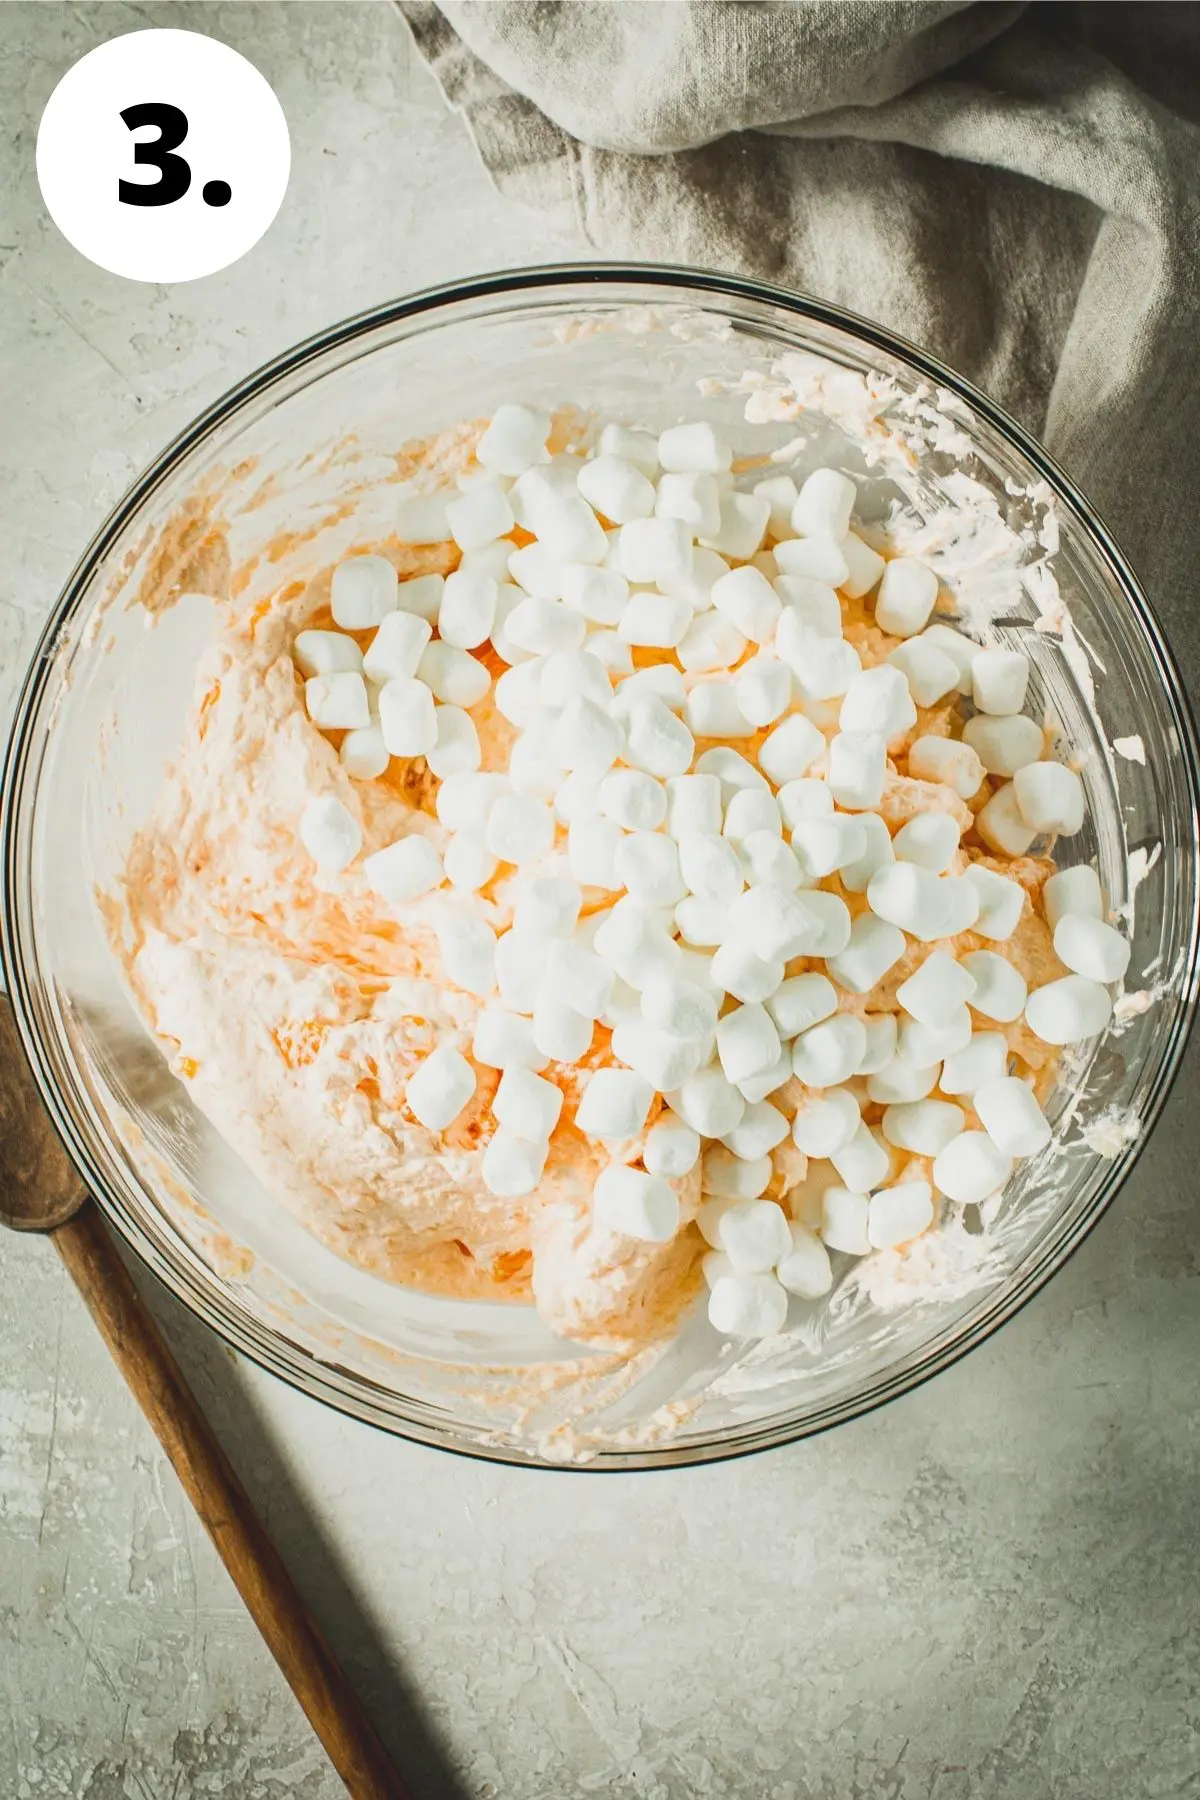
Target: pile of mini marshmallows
pixel 688 883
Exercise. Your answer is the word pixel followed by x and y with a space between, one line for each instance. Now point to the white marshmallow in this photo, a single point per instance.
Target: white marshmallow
pixel 395 651
pixel 633 941
pixel 468 946
pixel 826 1122
pixel 970 1168
pixel 572 674
pixel 599 595
pixel 512 1166
pixel 614 1105
pixel 1003 745
pixel 791 749
pixel 1011 1116
pixel 1001 824
pixel 326 653
pixel 542 626
pixel 534 766
pixel 363 753
pixel 663 680
pixel 693 804
pixel 909 896
pixel 873 949
pixel 753 1232
pixel 648 867
pixel 764 689
pixel 827 1054
pixel 897 1214
pixel 587 739
pixel 856 875
pixel 881 1043
pixel 577 797
pixel 819 559
pixel 1069 1010
pixel 680 1007
pixel 520 964
pixel 844 1217
pixel 421 594
pixel 617 489
pixel 824 505
pixel 479 517
pixel 693 498
pixel 464 801
pixel 1074 890
pixel 759 1130
pixel 811 609
pixel 520 829
pixel 801 1001
pixel 908 589
pixel 731 769
pixel 753 809
pixel 961 650
pixel 547 907
pixel 984 1058
pixel 857 768
pixel 945 760
pixel 527 1106
pixel 733 1177
pixel 823 845
pixel 363 592
pixel 421 518
pixel 330 833
pixel 901 1080
pixel 930 673
pixel 1001 903
pixel 709 1103
pixel 710 642
pixel 637 447
pixel 655 740
pixel 560 1032
pixel 923 1127
pixel 930 839
pixel 863 1162
pixel 1000 990
pixel 1050 797
pixel 999 679
pixel 878 700
pixel 439 1087
pixel 490 559
pixel 453 676
pixel 805 1270
pixel 749 978
pixel 514 440
pixel 769 1081
pixel 864 567
pixel 592 846
pixel 779 492
pixel 469 864
pixel 780 924
pixel 712 711
pixel 671 1148
pixel 655 551
pixel 455 750
pixel 583 980
pixel 337 702
pixel 634 800
pixel 503 1040
pixel 934 994
pixel 767 861
pixel 567 526
pixel 534 569
pixel 1092 948
pixel 710 866
pixel 695 583
pixel 404 870
pixel 960 905
pixel 747 1042
pixel 468 609
pixel 742 526
pixel 747 1306
pixel 654 621
pixel 746 598
pixel 518 692
pixel 407 718
pixel 927 1044
pixel 697 446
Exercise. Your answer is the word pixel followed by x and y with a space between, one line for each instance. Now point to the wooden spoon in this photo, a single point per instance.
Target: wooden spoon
pixel 40 1191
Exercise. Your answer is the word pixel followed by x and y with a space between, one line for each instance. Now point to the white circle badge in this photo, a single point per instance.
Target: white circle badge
pixel 163 155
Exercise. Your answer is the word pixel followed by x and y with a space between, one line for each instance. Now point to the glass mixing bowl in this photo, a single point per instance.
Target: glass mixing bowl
pixel 280 478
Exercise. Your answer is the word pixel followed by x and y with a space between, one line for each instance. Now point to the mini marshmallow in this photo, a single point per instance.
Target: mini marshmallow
pixel 999 679
pixel 819 559
pixel 592 846
pixel 599 595
pixel 468 946
pixel 512 1166
pixel 330 833
pixel 878 700
pixel 779 492
pixel 339 702
pixel 769 1081
pixel 746 598
pixel 567 526
pixel 454 676
pixel 742 526
pixel 712 711
pixel 404 870
pixel 520 964
pixel 864 567
pixel 648 867
pixel 930 673
pixel 747 1042
pixel 520 829
pixel 878 852
pixel 811 608
pixel 490 559
pixel 961 650
pixel 617 489
pixel 1001 903
pixel 654 621
pixel 694 804
pixel 542 626
pixel 826 844
pixel 805 1270
pixel 710 866
pixel 695 584
pixel 479 517
pixel 696 447
pixel 930 839
pixel 587 739
pixel 577 797
pixel 1001 824
pixel 900 1081
pixel 614 1105
pixel 824 505
pixel 750 978
pixel 395 651
pixel 874 947
pixel 1050 797
pixel 635 1204
pixel 1074 890
pixel 464 801
pixel 767 861
pixel 754 809
pixel 572 674
pixel 468 609
pixel 327 653
pixel 1000 990
pixel 760 1129
pixel 1003 745
pixel 881 1043
pixel 421 519
pixel 679 1007
pixel 514 440
pixel 633 942
pixel 439 1087
pixel 693 498
pixel 537 572
pixel 907 592
pixel 560 1032
pixel 518 693
pixel 733 1177
pixel 732 771
pixel 960 907
pixel 663 680
pixel 1069 1010
pixel 527 1106
pixel 764 689
pixel 778 923
pixel 655 740
pixel 923 1127
pixel 970 1168
pixel 406 717
pixel 637 447
pixel 897 1214
pixel 935 992
pixel 826 1122
pixel 827 1054
pixel 671 1148
pixel 984 1058
pixel 909 896
pixel 455 750
pixel 533 763
pixel 863 1162
pixel 927 1044
pixel 363 753
pixel 801 1001
pixel 469 864
pixel 1011 1116
pixel 944 760
pixel 363 592
pixel 747 1306
pixel 583 980
pixel 753 1232
pixel 844 1217
pixel 547 907
pixel 1092 948
pixel 857 768
pixel 503 1040
pixel 710 642
pixel 634 800
pixel 790 750
pixel 655 551
pixel 709 1103
pixel 422 595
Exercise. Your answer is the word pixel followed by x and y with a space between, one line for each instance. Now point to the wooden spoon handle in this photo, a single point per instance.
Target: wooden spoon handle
pixel 140 1351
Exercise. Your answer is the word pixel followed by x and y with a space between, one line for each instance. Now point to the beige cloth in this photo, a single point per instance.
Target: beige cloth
pixel 1014 188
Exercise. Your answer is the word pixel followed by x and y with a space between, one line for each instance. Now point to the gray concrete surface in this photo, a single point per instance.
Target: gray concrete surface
pixel 989 1591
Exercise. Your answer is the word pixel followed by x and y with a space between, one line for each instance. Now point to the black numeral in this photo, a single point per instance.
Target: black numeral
pixel 175 175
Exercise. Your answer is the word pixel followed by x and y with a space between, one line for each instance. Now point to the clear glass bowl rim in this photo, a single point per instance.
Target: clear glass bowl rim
pixel 354 1394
